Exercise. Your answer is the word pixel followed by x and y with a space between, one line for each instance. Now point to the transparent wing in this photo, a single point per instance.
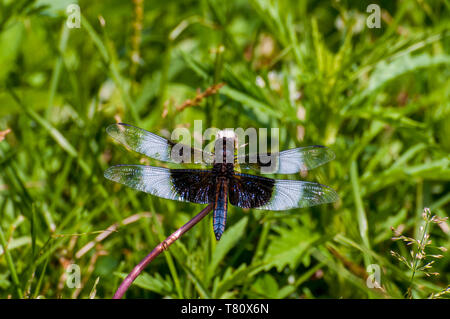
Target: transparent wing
pixel 289 194
pixel 289 161
pixel 250 191
pixel 185 185
pixel 155 146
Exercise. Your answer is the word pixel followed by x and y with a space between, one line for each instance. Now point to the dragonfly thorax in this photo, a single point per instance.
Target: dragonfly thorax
pixel 224 149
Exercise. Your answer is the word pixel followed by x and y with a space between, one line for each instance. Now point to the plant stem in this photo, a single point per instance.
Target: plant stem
pixel 10 262
pixel 216 79
pixel 166 58
pixel 416 259
pixel 361 213
pixel 164 245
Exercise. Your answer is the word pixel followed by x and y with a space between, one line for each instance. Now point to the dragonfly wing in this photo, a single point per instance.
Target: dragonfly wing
pixel 185 185
pixel 288 162
pixel 250 191
pixel 156 147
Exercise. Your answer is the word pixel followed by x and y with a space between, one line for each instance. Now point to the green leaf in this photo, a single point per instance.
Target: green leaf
pixel 266 286
pixel 226 243
pixel 155 283
pixel 4 282
pixel 200 287
pixel 232 278
pixel 10 42
pixel 387 71
pixel 55 7
pixel 250 102
pixel 16 243
pixel 286 248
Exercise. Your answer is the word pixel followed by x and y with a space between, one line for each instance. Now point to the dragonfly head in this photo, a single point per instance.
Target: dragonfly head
pixel 227 133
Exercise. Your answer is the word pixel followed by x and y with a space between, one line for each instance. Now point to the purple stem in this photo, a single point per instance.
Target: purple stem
pixel 126 283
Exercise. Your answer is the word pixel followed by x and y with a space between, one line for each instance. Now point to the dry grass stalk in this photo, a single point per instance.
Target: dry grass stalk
pixel 200 96
pixel 420 256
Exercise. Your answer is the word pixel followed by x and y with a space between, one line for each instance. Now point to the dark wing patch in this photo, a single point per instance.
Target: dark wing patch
pixel 185 185
pixel 250 191
pixel 196 186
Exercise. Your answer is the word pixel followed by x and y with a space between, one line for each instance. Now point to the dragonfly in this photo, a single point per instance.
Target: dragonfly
pixel 221 181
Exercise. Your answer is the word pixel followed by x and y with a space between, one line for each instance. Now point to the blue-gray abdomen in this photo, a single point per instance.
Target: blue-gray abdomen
pixel 220 208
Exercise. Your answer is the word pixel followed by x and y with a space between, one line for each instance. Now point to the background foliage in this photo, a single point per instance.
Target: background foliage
pixel 378 97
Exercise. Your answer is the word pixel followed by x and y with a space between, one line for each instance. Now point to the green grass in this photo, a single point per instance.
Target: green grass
pixel 380 98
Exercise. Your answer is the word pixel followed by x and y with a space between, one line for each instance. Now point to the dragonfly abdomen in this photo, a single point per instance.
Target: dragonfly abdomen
pixel 220 208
